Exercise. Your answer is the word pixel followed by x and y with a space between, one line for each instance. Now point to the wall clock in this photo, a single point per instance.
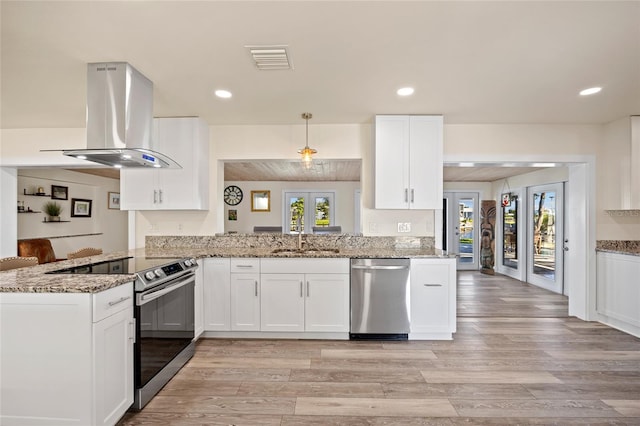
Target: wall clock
pixel 232 195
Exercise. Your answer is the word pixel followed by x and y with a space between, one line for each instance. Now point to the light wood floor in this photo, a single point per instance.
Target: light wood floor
pixel 516 359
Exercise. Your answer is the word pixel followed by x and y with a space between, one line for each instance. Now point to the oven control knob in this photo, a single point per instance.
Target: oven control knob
pixel 193 262
pixel 187 262
pixel 158 272
pixel 150 275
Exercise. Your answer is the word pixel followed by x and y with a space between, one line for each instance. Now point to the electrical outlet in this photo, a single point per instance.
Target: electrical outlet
pixel 404 226
pixel 373 227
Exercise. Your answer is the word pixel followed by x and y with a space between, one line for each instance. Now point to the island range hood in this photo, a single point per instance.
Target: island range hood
pixel 120 119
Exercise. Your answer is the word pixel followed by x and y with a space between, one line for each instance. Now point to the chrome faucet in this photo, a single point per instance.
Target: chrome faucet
pixel 299 229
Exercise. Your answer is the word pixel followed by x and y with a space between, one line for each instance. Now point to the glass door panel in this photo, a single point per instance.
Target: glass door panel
pixel 304 210
pixel 461 224
pixel 510 204
pixel 545 230
pixel 322 211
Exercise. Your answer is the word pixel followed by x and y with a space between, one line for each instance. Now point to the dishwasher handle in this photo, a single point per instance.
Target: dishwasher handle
pixel 380 267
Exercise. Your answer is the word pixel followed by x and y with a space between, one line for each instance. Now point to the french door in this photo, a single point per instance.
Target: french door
pixel 461 227
pixel 545 236
pixel 305 210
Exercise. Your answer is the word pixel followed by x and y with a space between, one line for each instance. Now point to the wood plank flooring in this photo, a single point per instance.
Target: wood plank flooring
pixel 517 358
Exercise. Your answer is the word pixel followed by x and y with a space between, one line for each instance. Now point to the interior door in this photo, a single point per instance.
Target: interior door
pixel 460 237
pixel 545 233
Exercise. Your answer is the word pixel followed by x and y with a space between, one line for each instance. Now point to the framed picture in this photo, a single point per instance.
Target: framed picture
pixel 233 214
pixel 59 192
pixel 260 201
pixel 80 207
pixel 113 200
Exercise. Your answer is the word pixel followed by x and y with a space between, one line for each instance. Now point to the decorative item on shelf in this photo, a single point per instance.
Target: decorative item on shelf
pixel 40 191
pixel 20 206
pixel 53 210
pixel 307 152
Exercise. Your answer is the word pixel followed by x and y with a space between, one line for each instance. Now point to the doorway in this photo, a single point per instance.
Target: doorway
pixel 545 235
pixel 460 228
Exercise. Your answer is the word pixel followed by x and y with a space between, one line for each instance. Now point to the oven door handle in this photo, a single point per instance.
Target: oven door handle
pixel 144 298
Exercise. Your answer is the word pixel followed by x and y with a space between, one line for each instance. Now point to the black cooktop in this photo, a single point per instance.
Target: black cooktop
pixel 124 265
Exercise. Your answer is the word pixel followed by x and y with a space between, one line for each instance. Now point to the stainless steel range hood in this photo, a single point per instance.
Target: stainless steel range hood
pixel 120 119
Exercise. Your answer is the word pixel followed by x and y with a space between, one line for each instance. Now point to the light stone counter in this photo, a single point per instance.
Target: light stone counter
pixel 36 280
pixel 631 247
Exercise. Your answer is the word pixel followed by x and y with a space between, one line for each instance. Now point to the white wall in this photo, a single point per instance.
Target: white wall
pixel 462 142
pixel 106 228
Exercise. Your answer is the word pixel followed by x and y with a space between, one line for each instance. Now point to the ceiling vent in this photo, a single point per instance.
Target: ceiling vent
pixel 270 57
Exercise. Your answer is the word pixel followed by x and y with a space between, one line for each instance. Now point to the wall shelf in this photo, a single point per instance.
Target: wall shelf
pixel 36 194
pixel 55 221
pixel 26 211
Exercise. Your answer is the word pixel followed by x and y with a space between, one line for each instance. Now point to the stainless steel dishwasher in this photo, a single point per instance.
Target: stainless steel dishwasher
pixel 380 299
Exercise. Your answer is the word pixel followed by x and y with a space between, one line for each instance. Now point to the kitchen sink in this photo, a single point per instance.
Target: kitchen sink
pixel 305 251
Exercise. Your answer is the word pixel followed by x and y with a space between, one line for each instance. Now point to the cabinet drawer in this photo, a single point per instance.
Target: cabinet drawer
pixel 245 265
pixel 305 266
pixel 110 301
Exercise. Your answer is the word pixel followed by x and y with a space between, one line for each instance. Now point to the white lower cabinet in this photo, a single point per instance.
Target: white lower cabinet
pixel 245 302
pixel 66 358
pixel 198 302
pixel 310 295
pixel 618 291
pixel 282 302
pixel 433 298
pixel 276 295
pixel 217 294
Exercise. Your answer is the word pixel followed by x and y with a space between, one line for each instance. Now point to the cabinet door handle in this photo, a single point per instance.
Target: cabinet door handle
pixel 160 192
pixel 116 302
pixel 412 191
pixel 132 330
pixel 432 285
pixel 244 266
pixel 155 196
pixel 406 195
pixel 256 287
pixel 301 293
pixel 308 288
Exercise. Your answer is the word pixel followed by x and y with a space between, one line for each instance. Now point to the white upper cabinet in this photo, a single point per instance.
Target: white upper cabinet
pixel 185 140
pixel 408 161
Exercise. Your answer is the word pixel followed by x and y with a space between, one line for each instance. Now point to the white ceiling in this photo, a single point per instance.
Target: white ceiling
pixel 474 62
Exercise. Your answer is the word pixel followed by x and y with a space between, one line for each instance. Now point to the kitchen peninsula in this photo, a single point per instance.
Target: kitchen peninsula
pixel 62 329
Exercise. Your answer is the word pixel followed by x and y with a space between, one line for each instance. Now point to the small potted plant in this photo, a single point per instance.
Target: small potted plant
pixel 53 210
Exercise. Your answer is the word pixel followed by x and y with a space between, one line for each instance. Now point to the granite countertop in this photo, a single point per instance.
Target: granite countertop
pixel 630 248
pixel 35 280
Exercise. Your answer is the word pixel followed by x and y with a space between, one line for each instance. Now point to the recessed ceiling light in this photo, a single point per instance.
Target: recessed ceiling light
pixel 405 91
pixel 590 91
pixel 225 94
pixel 81 157
pixel 117 166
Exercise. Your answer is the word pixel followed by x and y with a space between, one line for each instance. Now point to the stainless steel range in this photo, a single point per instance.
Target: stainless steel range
pixel 164 314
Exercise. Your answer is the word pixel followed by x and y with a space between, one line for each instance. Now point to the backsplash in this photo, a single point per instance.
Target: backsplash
pixel 340 241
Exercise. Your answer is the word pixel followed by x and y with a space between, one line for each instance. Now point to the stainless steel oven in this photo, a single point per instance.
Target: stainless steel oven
pixel 164 313
pixel 164 316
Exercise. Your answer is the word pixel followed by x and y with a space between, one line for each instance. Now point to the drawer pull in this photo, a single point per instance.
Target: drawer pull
pixel 433 285
pixel 116 302
pixel 244 266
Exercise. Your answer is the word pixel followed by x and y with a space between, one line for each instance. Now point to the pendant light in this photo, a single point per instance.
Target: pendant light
pixel 307 152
